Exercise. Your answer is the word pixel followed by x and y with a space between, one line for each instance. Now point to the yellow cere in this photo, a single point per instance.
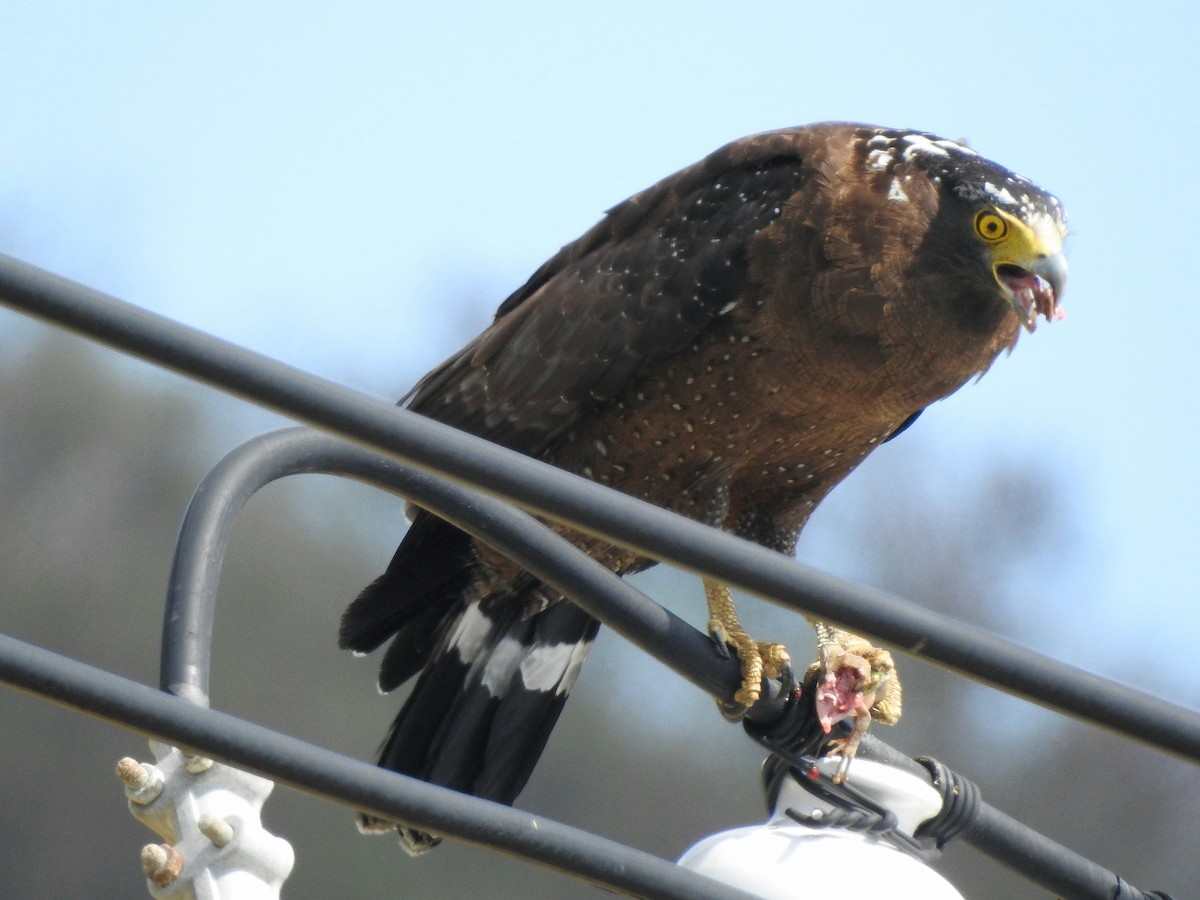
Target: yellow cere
pixel 1016 241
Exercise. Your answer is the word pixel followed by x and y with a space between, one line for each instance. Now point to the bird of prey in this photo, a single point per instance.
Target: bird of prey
pixel 728 344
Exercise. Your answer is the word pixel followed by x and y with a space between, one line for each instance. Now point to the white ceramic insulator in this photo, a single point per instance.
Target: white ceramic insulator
pixel 784 860
pixel 209 814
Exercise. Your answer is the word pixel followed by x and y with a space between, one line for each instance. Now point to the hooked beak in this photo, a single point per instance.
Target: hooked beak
pixel 1035 289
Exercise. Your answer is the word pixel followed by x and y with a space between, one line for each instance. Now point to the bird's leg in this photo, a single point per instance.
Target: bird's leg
pixel 857 680
pixel 757 659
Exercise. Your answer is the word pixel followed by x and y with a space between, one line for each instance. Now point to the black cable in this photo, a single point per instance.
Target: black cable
pixel 1047 863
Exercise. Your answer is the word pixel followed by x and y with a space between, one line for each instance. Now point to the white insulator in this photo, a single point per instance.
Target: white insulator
pixel 785 860
pixel 209 814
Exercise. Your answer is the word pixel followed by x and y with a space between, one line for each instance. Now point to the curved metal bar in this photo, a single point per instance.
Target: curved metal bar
pixel 199 554
pixel 192 587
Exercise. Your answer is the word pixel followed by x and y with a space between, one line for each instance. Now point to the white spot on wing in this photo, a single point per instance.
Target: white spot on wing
pixel 553 667
pixel 470 632
pixel 955 147
pixel 896 192
pixel 501 664
pixel 548 667
pixel 879 159
pixel 919 144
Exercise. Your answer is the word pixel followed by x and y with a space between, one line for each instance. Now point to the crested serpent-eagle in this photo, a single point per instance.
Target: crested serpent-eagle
pixel 729 344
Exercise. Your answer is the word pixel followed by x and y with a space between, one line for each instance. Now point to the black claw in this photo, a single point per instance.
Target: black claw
pixel 732 710
pixel 719 643
pixel 787 678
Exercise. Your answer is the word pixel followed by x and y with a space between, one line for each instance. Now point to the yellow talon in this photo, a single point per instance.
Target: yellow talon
pixel 757 659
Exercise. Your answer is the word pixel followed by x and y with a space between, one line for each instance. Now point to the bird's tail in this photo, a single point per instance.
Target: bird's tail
pixel 495 670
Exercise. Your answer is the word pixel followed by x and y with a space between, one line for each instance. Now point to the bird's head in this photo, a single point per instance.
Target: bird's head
pixel 1025 256
pixel 997 218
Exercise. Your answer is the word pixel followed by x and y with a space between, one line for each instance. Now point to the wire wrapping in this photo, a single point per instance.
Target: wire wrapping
pixel 960 804
pixel 850 808
pixel 848 819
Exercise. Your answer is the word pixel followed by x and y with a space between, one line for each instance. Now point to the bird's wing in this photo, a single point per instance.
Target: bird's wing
pixel 619 301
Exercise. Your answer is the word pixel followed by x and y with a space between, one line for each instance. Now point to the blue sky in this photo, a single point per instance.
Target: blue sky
pixel 353 187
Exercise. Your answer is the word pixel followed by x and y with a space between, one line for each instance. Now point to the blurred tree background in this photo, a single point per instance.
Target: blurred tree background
pixel 99 455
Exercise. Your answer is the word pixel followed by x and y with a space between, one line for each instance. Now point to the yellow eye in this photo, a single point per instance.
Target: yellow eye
pixel 990 227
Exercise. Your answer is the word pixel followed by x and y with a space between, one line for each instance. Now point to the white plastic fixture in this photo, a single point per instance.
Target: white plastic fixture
pixel 784 860
pixel 208 814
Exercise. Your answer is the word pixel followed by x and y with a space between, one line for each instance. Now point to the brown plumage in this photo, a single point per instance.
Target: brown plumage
pixel 729 344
